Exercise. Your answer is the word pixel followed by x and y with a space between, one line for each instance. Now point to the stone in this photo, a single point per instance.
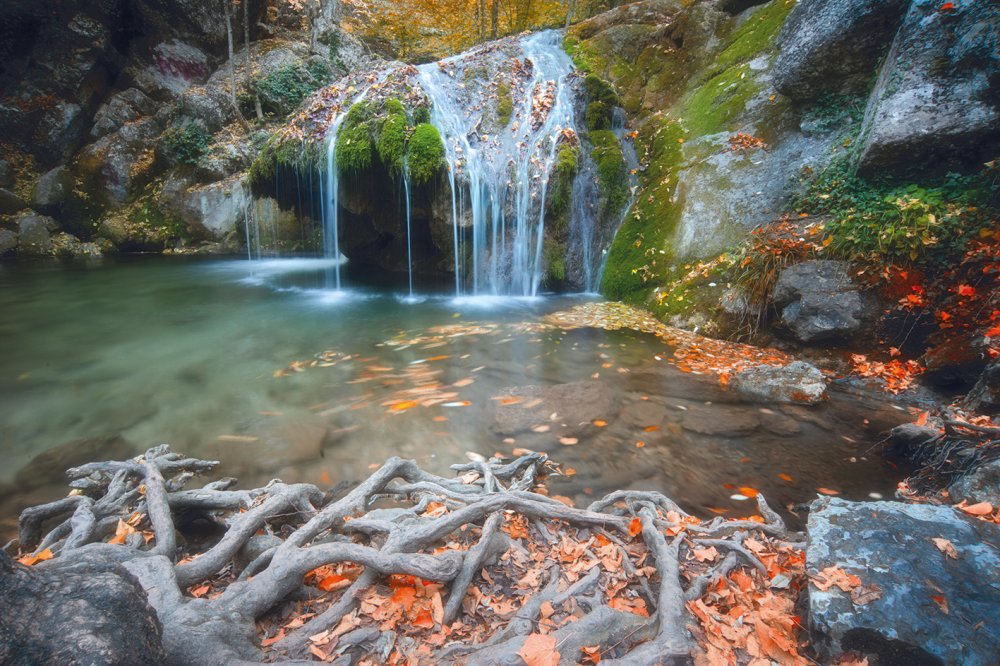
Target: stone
pixel 934 106
pixel 8 242
pixel 68 246
pixel 209 104
pixel 120 162
pixel 980 485
pixel 890 545
pixel 738 6
pixel 818 302
pixel 10 202
pixel 176 66
pixel 985 395
pixel 75 612
pixel 123 107
pixel 735 423
pixel 272 447
pixel 575 404
pixel 798 382
pixel 60 132
pixel 49 467
pixel 834 45
pixel 33 237
pixel 908 440
pixel 52 190
pixel 953 363
pixel 213 211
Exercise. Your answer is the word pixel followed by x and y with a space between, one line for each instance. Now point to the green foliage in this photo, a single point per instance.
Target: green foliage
pixel 602 100
pixel 598 116
pixel 355 152
pixel 903 225
pixel 834 110
pixel 391 142
pixel 187 143
pixel 425 153
pixel 505 104
pixel 612 175
pixel 283 89
pixel 146 213
pixel 422 114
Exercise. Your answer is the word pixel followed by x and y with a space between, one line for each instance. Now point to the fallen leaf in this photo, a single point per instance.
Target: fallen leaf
pixel 834 576
pixel 980 509
pixel 539 650
pixel 568 441
pixel 941 602
pixel 31 560
pixel 827 491
pixel 334 582
pixel 424 619
pixel 634 527
pixel 946 547
pixel 865 594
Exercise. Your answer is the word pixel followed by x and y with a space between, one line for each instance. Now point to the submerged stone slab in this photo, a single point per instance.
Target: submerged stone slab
pixel 931 608
pixel 797 382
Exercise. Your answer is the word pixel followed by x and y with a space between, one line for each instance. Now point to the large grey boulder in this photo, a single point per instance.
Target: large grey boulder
pixel 121 108
pixel 34 234
pixel 985 395
pixel 211 212
pixel 818 302
pixel 52 189
pixel 980 485
pixel 119 162
pixel 928 607
pixel 78 612
pixel 834 45
pixel 798 382
pixel 8 242
pixel 934 106
pixel 210 104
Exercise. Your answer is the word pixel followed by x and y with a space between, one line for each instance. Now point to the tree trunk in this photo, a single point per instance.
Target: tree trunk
pixel 494 15
pixel 570 10
pixel 249 64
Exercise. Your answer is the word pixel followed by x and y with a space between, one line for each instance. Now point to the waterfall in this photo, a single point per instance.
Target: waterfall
pixel 409 242
pixel 498 182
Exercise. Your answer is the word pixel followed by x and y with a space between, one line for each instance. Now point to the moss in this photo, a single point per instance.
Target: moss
pixel 355 152
pixel 612 175
pixel 425 153
pixel 422 114
pixel 561 188
pixel 391 142
pixel 599 90
pixel 186 143
pixel 714 106
pixel 505 104
pixel 554 258
pixel 598 116
pixel 283 89
pixel 755 35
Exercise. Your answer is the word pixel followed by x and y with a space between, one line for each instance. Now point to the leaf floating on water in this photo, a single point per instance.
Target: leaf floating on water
pixel 827 491
pixel 600 423
pixel 237 438
pixel 786 478
pixel 403 406
pixel 464 382
pixel 569 441
pixel 541 428
pixel 748 491
pixel 463 403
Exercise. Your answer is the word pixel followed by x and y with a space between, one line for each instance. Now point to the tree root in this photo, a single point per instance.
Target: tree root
pixel 465 559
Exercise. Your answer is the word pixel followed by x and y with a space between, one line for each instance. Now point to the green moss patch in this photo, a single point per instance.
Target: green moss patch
pixel 355 152
pixel 391 142
pixel 505 104
pixel 425 153
pixel 284 89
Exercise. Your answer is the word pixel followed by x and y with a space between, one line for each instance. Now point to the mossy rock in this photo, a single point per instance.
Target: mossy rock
pixel 612 174
pixel 425 153
pixel 355 152
pixel 391 142
pixel 505 104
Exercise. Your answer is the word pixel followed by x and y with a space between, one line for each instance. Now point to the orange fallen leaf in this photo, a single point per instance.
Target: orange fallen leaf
pixel 835 576
pixel 31 560
pixel 980 509
pixel 424 619
pixel 785 477
pixel 634 527
pixel 568 441
pixel 941 602
pixel 827 491
pixel 591 654
pixel 652 428
pixel 539 650
pixel 403 406
pixel 200 591
pixel 748 491
pixel 600 423
pixel 635 606
pixel 946 547
pixel 333 582
pixel 268 642
pixel 640 444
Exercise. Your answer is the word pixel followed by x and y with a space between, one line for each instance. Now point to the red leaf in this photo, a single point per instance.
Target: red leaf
pixel 539 650
pixel 964 289
pixel 334 582
pixel 634 527
pixel 424 619
pixel 947 7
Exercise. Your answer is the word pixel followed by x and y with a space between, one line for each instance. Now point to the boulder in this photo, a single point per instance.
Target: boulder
pixel 908 441
pixel 175 67
pixel 288 442
pixel 59 133
pixel 953 363
pixel 574 406
pixel 10 202
pixel 735 423
pixel 33 237
pixel 818 302
pixel 8 242
pixel 49 467
pixel 76 612
pixel 797 382
pixel 934 106
pixel 121 161
pixel 914 604
pixel 68 246
pixel 980 485
pixel 52 190
pixel 213 211
pixel 834 45
pixel 124 107
pixel 985 395
pixel 210 104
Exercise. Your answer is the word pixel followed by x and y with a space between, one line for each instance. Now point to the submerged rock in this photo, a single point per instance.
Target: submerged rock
pixel 8 242
pixel 563 408
pixel 818 302
pixel 834 45
pixel 75 612
pixel 915 604
pixel 797 382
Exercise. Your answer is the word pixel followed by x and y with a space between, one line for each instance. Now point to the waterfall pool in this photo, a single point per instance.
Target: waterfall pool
pixel 259 364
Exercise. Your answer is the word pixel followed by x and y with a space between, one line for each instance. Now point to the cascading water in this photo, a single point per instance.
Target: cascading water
pixel 409 241
pixel 500 181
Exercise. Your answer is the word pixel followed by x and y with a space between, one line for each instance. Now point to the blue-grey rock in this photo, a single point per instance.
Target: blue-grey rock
pixel 934 106
pixel 33 237
pixel 834 45
pixel 980 485
pixel 818 302
pixel 8 242
pixel 10 202
pixel 890 545
pixel 52 189
pixel 797 382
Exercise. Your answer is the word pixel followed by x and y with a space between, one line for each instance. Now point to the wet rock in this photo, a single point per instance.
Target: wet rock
pixel 52 190
pixel 644 414
pixel 818 302
pixel 8 242
pixel 934 106
pixel 10 202
pixel 124 107
pixel 908 439
pixel 834 45
pixel 272 447
pixel 68 246
pixel 980 485
pixel 49 467
pixel 120 162
pixel 576 405
pixel 797 382
pixel 77 612
pixel 890 545
pixel 953 363
pixel 985 395
pixel 213 211
pixel 6 174
pixel 33 236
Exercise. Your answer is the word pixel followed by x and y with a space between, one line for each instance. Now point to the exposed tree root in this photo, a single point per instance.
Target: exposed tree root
pixel 406 567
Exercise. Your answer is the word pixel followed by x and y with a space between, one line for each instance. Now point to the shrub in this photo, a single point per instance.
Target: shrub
pixel 283 89
pixel 187 143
